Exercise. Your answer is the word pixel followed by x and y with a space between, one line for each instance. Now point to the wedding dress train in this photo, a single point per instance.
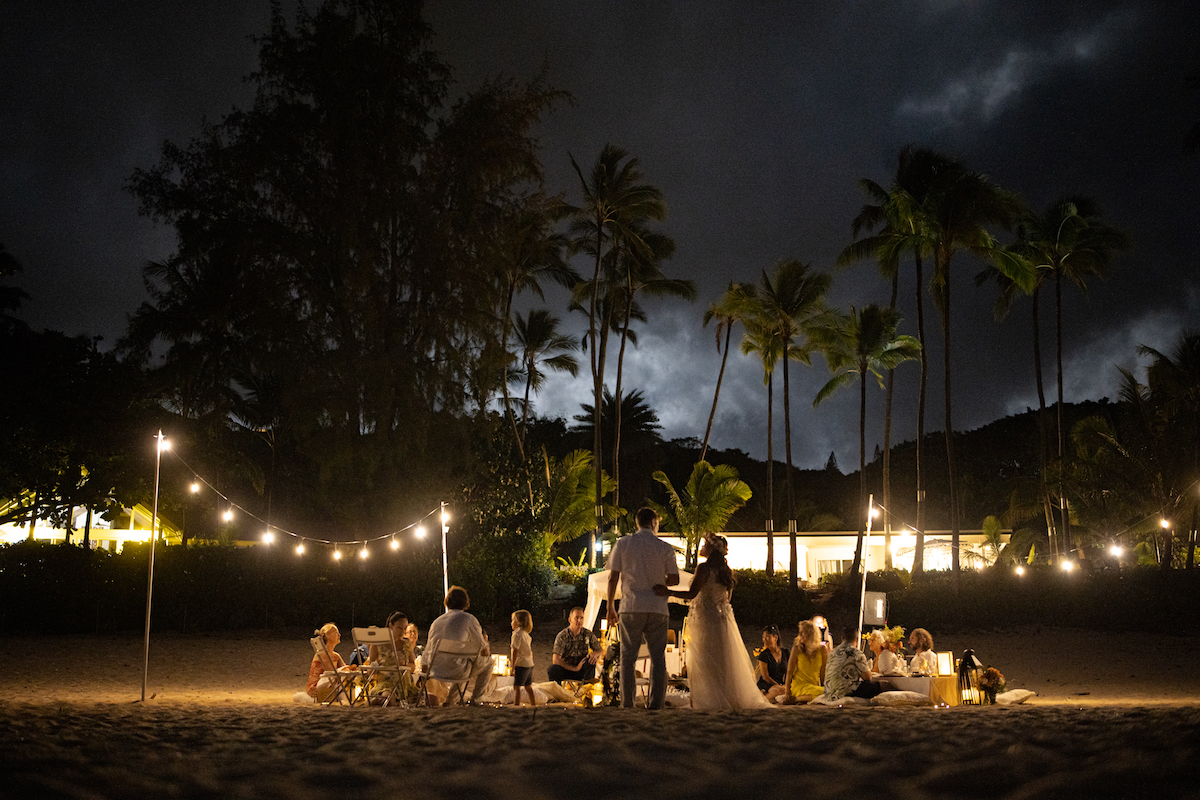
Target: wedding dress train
pixel 720 675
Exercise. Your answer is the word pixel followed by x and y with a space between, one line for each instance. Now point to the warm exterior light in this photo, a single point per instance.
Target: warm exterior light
pixel 228 515
pixel 195 488
pixel 1020 570
pixel 445 517
pixel 1068 566
pixel 164 444
pixel 395 543
pixel 299 549
pixel 363 553
pixel 420 531
pixel 1165 524
pixel 337 555
pixel 1117 551
pixel 874 512
pixel 268 537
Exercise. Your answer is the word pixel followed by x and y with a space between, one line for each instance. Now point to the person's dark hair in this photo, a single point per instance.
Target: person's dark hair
pixel 772 630
pixel 576 608
pixel 458 599
pixel 849 634
pixel 395 617
pixel 646 516
pixel 718 563
pixel 924 640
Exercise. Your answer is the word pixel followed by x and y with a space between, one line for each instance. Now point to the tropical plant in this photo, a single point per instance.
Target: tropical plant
pixel 615 204
pixel 854 346
pixel 541 348
pixel 787 305
pixel 725 312
pixel 709 499
pixel 570 510
pixel 759 340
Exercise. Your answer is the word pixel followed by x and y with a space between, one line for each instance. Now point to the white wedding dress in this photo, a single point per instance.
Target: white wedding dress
pixel 719 672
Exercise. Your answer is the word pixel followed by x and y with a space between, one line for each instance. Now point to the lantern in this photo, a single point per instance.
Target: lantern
pixel 969 669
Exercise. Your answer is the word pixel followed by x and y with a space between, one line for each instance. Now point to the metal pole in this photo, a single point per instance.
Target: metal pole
pixel 862 597
pixel 150 567
pixel 445 530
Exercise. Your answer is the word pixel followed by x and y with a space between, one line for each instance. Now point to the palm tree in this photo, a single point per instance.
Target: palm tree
pixel 898 214
pixel 710 498
pixel 1068 241
pixel 724 311
pixel 861 344
pixel 615 202
pixel 639 273
pixel 959 206
pixel 532 252
pixel 786 306
pixel 570 510
pixel 542 347
pixel 759 340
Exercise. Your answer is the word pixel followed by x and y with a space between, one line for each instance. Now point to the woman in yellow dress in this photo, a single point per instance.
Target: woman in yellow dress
pixel 806 667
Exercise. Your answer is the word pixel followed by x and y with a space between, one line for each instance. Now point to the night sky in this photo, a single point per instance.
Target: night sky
pixel 756 119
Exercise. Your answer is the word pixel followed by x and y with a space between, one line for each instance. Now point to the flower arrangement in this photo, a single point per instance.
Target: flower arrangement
pixel 991 682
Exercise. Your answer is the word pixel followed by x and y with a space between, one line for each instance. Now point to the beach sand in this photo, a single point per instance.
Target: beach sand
pixel 1113 719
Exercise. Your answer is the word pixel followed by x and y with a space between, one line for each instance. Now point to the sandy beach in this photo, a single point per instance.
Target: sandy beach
pixel 220 721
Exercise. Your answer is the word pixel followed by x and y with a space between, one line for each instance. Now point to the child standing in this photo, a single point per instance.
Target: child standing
pixel 522 655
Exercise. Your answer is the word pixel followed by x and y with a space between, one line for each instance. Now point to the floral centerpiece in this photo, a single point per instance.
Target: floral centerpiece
pixel 991 682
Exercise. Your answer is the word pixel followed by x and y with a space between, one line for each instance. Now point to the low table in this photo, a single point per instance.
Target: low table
pixel 941 689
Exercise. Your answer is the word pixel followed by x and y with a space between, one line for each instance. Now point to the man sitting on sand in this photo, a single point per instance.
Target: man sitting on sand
pixel 848 674
pixel 576 651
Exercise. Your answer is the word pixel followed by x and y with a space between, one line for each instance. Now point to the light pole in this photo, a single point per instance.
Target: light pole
pixel 866 548
pixel 163 444
pixel 445 520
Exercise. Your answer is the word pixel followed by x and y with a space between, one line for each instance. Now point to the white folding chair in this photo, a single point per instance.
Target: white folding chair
pixel 642 672
pixel 343 683
pixel 451 662
pixel 376 676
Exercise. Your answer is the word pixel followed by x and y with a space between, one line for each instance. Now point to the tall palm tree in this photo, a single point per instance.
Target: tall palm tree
pixel 759 340
pixel 639 273
pixel 709 499
pixel 959 207
pixel 724 311
pixel 570 510
pixel 615 202
pixel 532 252
pixel 1068 241
pixel 541 347
pixel 898 215
pixel 863 343
pixel 787 305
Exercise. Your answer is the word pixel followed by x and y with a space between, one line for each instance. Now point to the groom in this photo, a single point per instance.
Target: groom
pixel 637 563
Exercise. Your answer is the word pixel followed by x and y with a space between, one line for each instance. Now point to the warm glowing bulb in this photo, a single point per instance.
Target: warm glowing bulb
pixel 299 549
pixel 195 488
pixel 337 555
pixel 1020 570
pixel 445 517
pixel 395 544
pixel 1068 566
pixel 363 553
pixel 228 515
pixel 268 537
pixel 420 531
pixel 1165 523
pixel 874 512
pixel 164 444
pixel 1117 551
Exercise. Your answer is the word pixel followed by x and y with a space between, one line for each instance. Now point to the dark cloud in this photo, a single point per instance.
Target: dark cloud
pixel 757 120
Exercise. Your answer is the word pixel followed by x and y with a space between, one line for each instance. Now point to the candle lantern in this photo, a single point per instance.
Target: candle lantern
pixel 969 670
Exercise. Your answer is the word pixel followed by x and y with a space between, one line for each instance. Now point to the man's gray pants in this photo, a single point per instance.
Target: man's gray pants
pixel 634 626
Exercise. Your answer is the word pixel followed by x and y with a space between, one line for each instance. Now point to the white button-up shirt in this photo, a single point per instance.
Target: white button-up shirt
pixel 643 561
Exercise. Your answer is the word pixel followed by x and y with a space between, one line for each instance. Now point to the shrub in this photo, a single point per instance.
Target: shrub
pixel 761 599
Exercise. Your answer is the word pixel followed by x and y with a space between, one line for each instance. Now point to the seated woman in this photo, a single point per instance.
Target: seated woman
pixel 805 677
pixel 319 686
pixel 406 689
pixel 772 661
pixel 924 660
pixel 886 661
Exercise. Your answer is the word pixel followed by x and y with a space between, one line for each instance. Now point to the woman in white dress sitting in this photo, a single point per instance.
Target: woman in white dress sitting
pixel 719 672
pixel 924 662
pixel 886 661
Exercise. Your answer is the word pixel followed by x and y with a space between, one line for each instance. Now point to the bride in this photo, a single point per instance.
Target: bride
pixel 719 672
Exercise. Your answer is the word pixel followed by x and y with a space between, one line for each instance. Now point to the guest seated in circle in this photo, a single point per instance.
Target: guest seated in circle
pixel 805 677
pixel 886 661
pixel 457 625
pixel 576 651
pixel 821 626
pixel 848 673
pixel 924 660
pixel 406 690
pixel 411 633
pixel 318 686
pixel 771 666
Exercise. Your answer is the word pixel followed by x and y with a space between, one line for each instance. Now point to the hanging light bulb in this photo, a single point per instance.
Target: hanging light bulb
pixel 363 553
pixel 420 531
pixel 337 554
pixel 268 537
pixel 228 515
pixel 395 543
pixel 300 549
pixel 195 487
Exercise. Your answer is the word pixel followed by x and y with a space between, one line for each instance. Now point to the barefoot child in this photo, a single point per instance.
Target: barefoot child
pixel 522 656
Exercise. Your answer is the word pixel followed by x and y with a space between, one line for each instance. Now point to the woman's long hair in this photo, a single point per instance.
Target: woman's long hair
pixel 718 546
pixel 807 642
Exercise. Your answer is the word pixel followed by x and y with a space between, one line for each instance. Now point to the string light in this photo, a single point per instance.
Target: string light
pixel 195 488
pixel 420 532
pixel 1020 570
pixel 395 542
pixel 363 553
pixel 337 554
pixel 228 515
pixel 268 537
pixel 300 549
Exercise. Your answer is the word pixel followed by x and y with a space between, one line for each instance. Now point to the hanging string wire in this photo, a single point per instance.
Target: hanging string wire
pixel 299 536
